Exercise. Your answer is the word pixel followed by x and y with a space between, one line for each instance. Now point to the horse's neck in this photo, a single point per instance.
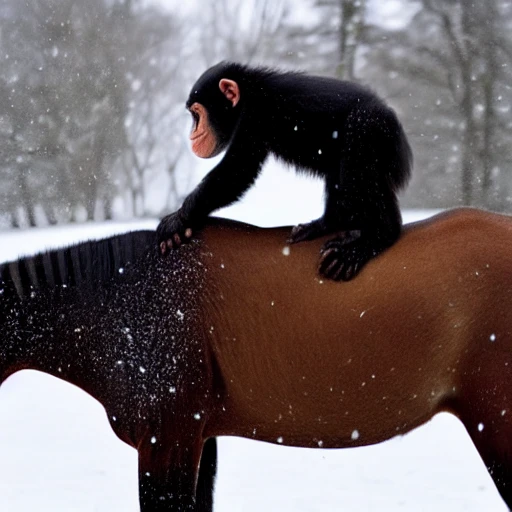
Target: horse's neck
pixel 37 332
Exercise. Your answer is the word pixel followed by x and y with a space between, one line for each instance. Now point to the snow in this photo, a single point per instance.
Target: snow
pixel 59 453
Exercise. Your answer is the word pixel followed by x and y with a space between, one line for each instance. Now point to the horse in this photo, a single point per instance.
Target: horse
pixel 234 334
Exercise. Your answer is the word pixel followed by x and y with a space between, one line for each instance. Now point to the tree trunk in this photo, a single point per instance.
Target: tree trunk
pixel 15 224
pixel 27 200
pixel 352 21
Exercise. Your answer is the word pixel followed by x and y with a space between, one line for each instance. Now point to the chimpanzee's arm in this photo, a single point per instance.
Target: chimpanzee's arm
pixel 223 185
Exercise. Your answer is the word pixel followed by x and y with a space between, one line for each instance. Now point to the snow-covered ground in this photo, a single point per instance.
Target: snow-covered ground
pixel 59 454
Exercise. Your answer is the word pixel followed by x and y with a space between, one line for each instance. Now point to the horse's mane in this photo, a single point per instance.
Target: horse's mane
pixel 83 263
pixel 87 263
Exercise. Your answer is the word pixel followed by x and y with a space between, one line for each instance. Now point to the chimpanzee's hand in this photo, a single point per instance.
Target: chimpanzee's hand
pixel 173 231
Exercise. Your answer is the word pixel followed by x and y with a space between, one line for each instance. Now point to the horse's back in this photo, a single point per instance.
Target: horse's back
pixel 401 338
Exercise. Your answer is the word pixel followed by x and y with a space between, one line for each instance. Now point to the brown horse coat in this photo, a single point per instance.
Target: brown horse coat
pixel 308 362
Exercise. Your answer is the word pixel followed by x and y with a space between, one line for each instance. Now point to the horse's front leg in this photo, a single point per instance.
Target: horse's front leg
pixel 168 473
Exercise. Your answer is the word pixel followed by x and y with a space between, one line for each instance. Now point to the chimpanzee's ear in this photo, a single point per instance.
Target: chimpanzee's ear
pixel 230 89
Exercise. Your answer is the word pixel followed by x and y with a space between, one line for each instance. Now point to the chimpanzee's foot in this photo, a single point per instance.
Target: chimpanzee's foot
pixel 309 231
pixel 343 257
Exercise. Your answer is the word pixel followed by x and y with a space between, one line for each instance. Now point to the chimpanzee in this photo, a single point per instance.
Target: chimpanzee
pixel 335 129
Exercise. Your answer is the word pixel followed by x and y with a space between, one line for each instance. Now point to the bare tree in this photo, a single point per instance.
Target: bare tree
pixel 155 119
pixel 448 72
pixel 88 87
pixel 236 29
